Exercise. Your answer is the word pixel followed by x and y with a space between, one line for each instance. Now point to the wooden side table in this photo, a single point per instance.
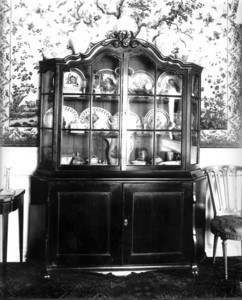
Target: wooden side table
pixel 7 205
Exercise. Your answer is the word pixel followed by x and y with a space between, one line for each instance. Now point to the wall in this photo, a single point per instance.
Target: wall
pixel 38 23
pixel 24 161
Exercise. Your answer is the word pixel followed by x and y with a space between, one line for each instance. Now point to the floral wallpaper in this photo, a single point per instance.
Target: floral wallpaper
pixel 200 31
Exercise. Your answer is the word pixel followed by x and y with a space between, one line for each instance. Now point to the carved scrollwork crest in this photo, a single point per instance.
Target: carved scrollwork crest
pixel 123 39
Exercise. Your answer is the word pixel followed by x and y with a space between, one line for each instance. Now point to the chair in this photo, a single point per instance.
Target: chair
pixel 225 185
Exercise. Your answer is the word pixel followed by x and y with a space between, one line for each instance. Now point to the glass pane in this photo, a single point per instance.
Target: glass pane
pixel 47 108
pixel 104 150
pixel 72 113
pixel 48 82
pixel 168 148
pixel 195 85
pixel 194 150
pixel 75 82
pixel 138 109
pixel 141 75
pixel 113 149
pixel 106 75
pixel 46 142
pixel 106 112
pixel 168 114
pixel 139 148
pixel 97 118
pixel 168 83
pixel 194 113
pixel 74 148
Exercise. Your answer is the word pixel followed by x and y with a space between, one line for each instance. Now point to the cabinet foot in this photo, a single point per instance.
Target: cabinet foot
pixel 195 270
pixel 46 274
pixel 4 294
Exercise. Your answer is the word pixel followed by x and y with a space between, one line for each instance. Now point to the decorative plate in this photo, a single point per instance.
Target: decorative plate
pixel 74 81
pixel 100 118
pixel 162 119
pixel 141 83
pixel 105 81
pixel 169 84
pixel 69 116
pixel 133 121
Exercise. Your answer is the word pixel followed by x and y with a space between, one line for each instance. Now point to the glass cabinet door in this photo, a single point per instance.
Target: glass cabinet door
pixel 140 100
pixel 126 116
pixel 195 111
pixel 90 114
pixel 47 121
pixel 169 102
pixel 154 114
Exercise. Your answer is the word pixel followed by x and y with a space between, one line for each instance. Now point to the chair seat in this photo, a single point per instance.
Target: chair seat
pixel 227 227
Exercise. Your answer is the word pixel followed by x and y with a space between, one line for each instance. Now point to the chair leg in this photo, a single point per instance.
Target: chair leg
pixel 215 242
pixel 224 243
pixel 20 221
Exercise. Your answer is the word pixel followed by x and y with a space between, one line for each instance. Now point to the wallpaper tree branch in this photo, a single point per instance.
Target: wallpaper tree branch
pixel 199 31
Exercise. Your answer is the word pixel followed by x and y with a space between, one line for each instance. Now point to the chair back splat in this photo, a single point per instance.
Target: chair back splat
pixel 225 183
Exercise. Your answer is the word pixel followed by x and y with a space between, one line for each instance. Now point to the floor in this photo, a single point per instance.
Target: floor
pixel 26 281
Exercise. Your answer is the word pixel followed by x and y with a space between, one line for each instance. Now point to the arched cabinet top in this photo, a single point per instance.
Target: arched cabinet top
pixel 117 43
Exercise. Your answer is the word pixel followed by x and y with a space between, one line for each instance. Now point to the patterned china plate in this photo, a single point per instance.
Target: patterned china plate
pixel 69 116
pixel 141 83
pixel 74 81
pixel 162 119
pixel 107 82
pixel 133 121
pixel 100 118
pixel 169 83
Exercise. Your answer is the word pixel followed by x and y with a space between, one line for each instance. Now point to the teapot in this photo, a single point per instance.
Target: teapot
pixel 94 160
pixel 77 159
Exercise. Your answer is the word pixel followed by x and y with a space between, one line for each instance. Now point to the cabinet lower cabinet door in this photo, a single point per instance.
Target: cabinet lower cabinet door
pixel 158 223
pixel 86 226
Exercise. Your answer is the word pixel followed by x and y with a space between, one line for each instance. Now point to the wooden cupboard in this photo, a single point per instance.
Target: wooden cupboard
pixel 118 170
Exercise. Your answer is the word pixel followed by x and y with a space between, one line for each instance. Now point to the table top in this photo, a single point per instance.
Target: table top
pixel 7 198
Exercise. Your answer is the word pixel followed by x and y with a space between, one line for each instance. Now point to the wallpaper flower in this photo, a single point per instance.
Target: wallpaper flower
pixel 200 31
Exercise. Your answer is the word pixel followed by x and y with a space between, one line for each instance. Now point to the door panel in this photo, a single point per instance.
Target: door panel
pixel 87 228
pixel 78 232
pixel 156 217
pixel 156 229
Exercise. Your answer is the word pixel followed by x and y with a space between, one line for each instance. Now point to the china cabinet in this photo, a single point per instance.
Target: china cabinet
pixel 118 166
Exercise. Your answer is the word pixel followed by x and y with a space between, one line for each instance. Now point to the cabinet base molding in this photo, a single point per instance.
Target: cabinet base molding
pixel 127 269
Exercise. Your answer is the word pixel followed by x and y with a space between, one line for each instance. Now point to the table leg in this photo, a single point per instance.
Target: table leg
pixel 4 245
pixel 20 222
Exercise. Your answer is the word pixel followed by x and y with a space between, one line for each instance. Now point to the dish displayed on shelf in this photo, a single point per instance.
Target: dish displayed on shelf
pixel 74 82
pixel 169 84
pixel 69 115
pixel 133 121
pixel 105 81
pixel 100 118
pixel 162 119
pixel 141 83
pixel 173 162
pixel 138 162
